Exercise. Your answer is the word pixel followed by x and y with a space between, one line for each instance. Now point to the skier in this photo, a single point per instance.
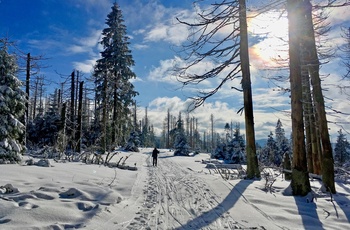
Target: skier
pixel 155 156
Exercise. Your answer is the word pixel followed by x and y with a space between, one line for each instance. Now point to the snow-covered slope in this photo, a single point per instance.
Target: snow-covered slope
pixel 180 193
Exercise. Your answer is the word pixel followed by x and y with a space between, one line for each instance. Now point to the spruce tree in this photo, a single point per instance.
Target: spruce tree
pixel 114 91
pixel 282 143
pixel 269 154
pixel 237 147
pixel 342 149
pixel 181 144
pixel 12 108
pixel 133 142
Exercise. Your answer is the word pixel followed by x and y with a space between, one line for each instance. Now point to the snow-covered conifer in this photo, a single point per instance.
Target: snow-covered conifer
pixel 12 108
pixel 114 90
pixel 342 149
pixel 133 142
pixel 269 152
pixel 181 145
pixel 282 143
pixel 232 148
pixel 237 147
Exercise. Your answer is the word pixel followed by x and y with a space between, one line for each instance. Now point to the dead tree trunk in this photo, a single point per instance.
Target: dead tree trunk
pixel 252 160
pixel 78 138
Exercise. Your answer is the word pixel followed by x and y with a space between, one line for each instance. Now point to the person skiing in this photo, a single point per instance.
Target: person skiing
pixel 155 156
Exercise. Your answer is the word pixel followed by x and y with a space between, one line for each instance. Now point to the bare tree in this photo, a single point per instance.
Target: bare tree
pixel 252 166
pixel 346 51
pixel 230 53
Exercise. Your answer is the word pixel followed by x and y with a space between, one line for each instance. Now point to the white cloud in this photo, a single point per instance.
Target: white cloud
pixel 88 44
pixel 140 46
pixel 158 23
pixel 94 5
pixel 75 49
pixel 223 113
pixel 174 34
pixel 86 66
pixel 263 97
pixel 164 72
pixel 48 44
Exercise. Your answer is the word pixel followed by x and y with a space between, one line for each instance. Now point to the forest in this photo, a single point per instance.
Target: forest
pixel 91 118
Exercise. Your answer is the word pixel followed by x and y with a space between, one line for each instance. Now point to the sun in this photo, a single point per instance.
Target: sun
pixel 269 38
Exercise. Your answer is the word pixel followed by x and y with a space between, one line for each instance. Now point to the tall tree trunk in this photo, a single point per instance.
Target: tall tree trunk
pixel 307 105
pixel 168 130
pixel 252 160
pixel 313 63
pixel 115 109
pixel 26 114
pixel 80 117
pixel 27 86
pixel 35 98
pixel 64 126
pixel 72 110
pixel 300 179
pixel 135 117
pixel 104 117
pixel 315 143
pixel 212 132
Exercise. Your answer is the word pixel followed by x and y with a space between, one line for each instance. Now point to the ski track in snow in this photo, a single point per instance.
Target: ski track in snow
pixel 176 198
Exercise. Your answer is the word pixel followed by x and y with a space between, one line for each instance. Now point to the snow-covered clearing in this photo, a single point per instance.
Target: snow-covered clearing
pixel 178 194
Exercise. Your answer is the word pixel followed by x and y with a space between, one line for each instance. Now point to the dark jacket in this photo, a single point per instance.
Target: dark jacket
pixel 155 153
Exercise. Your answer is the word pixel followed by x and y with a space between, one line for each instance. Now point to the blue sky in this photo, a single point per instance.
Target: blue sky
pixel 67 32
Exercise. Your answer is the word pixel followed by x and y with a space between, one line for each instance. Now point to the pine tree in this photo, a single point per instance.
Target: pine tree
pixel 181 144
pixel 237 147
pixel 114 91
pixel 282 143
pixel 133 142
pixel 342 149
pixel 269 152
pixel 231 149
pixel 12 108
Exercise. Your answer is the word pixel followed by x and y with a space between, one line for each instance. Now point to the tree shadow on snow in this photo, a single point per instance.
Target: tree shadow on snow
pixel 308 213
pixel 165 156
pixel 343 202
pixel 211 216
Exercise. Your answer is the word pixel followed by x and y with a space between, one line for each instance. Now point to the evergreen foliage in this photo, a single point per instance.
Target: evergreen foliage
pixel 181 144
pixel 133 142
pixel 282 143
pixel 12 108
pixel 269 152
pixel 114 91
pixel 275 149
pixel 232 149
pixel 342 149
pixel 238 147
pixel 147 136
pixel 43 130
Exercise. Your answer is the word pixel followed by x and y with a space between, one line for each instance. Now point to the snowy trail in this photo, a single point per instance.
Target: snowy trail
pixel 179 194
pixel 175 197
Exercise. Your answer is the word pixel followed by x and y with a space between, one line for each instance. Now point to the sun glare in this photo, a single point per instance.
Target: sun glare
pixel 269 35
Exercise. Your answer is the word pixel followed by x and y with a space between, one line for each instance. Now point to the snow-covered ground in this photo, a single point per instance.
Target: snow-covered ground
pixel 178 194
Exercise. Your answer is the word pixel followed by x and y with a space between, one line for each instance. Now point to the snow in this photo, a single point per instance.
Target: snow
pixel 178 194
